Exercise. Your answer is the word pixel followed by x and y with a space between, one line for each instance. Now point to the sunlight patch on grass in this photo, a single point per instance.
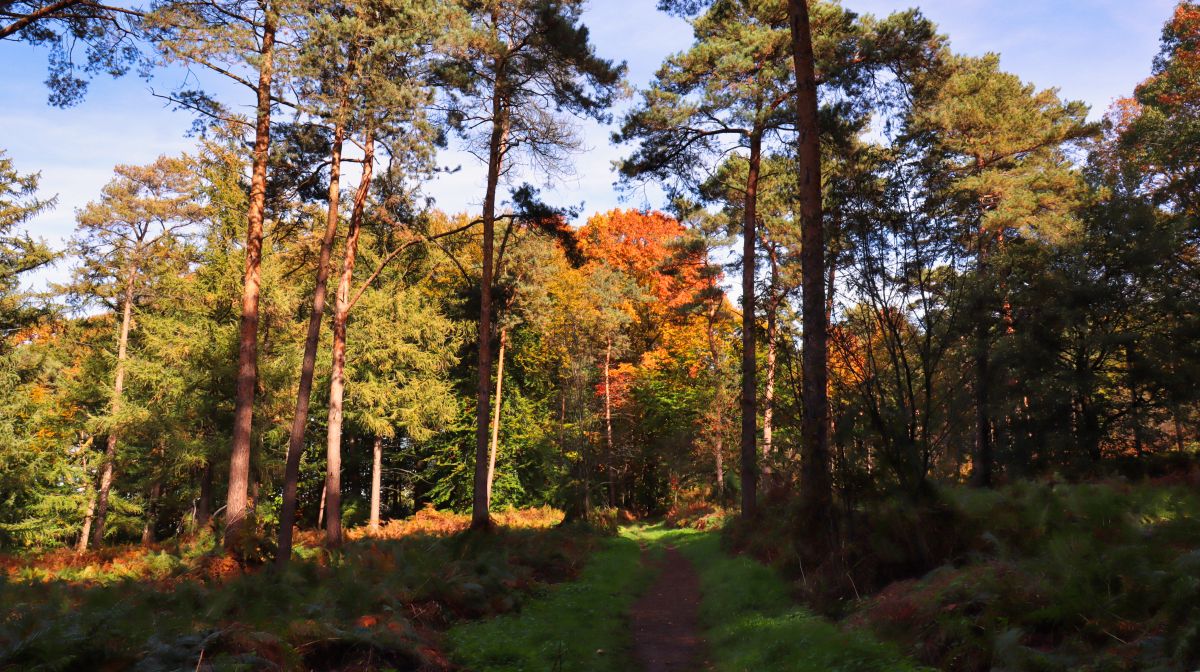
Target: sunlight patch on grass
pixel 578 626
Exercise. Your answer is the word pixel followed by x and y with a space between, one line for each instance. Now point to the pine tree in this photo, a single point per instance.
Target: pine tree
pixel 998 142
pixel 377 87
pixel 730 89
pixel 19 252
pixel 519 67
pixel 211 34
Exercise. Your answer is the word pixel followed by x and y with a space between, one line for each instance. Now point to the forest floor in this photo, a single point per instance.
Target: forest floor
pixel 658 600
pixel 381 602
pixel 1046 577
pixel 665 621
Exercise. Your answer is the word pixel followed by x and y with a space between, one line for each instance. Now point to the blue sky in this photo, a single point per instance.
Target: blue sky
pixel 1093 50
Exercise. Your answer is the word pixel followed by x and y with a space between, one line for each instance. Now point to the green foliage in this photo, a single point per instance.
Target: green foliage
pixel 19 252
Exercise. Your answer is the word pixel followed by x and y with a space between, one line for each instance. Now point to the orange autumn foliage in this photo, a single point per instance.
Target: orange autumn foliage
pixel 643 245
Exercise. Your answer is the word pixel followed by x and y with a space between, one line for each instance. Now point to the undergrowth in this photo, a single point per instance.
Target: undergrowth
pixel 375 604
pixel 1092 577
pixel 1031 577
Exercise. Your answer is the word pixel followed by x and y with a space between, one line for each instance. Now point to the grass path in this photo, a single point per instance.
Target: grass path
pixel 579 626
pixel 747 618
pixel 752 624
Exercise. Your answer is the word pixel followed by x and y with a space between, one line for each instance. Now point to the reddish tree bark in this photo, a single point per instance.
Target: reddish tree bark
pixel 236 509
pixel 337 379
pixel 376 482
pixel 480 512
pixel 291 476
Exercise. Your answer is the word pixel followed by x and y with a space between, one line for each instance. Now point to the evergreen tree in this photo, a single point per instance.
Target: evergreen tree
pixel 212 34
pixel 124 240
pixel 518 67
pixel 109 34
pixel 998 145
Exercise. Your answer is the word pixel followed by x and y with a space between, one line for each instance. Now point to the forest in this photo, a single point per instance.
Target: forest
pixel 891 361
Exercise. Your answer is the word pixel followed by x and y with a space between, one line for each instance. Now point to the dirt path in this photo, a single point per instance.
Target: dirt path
pixel 665 621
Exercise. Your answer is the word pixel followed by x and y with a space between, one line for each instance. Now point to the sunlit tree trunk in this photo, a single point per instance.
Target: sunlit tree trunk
pixel 90 494
pixel 337 381
pixel 608 427
pixel 480 513
pixel 718 400
pixel 495 444
pixel 376 482
pixel 291 477
pixel 247 375
pixel 321 506
pixel 772 356
pixel 110 449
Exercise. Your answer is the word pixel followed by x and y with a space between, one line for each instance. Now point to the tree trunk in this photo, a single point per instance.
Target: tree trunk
pixel 247 376
pixel 312 339
pixel 772 355
pixel 321 507
pixel 718 398
pixel 110 449
pixel 981 461
pixel 749 451
pixel 480 511
pixel 1135 402
pixel 376 482
pixel 90 510
pixel 495 443
pixel 608 427
pixel 337 380
pixel 1178 429
pixel 719 460
pixel 816 480
pixel 587 473
pixel 204 507
pixel 151 513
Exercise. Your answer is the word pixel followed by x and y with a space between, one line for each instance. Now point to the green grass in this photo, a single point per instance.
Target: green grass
pixel 750 621
pixel 753 624
pixel 578 626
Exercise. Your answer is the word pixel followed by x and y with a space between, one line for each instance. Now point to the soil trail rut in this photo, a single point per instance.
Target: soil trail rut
pixel 665 621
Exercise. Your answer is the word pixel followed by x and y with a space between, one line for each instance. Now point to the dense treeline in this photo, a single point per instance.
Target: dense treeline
pixel 280 327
